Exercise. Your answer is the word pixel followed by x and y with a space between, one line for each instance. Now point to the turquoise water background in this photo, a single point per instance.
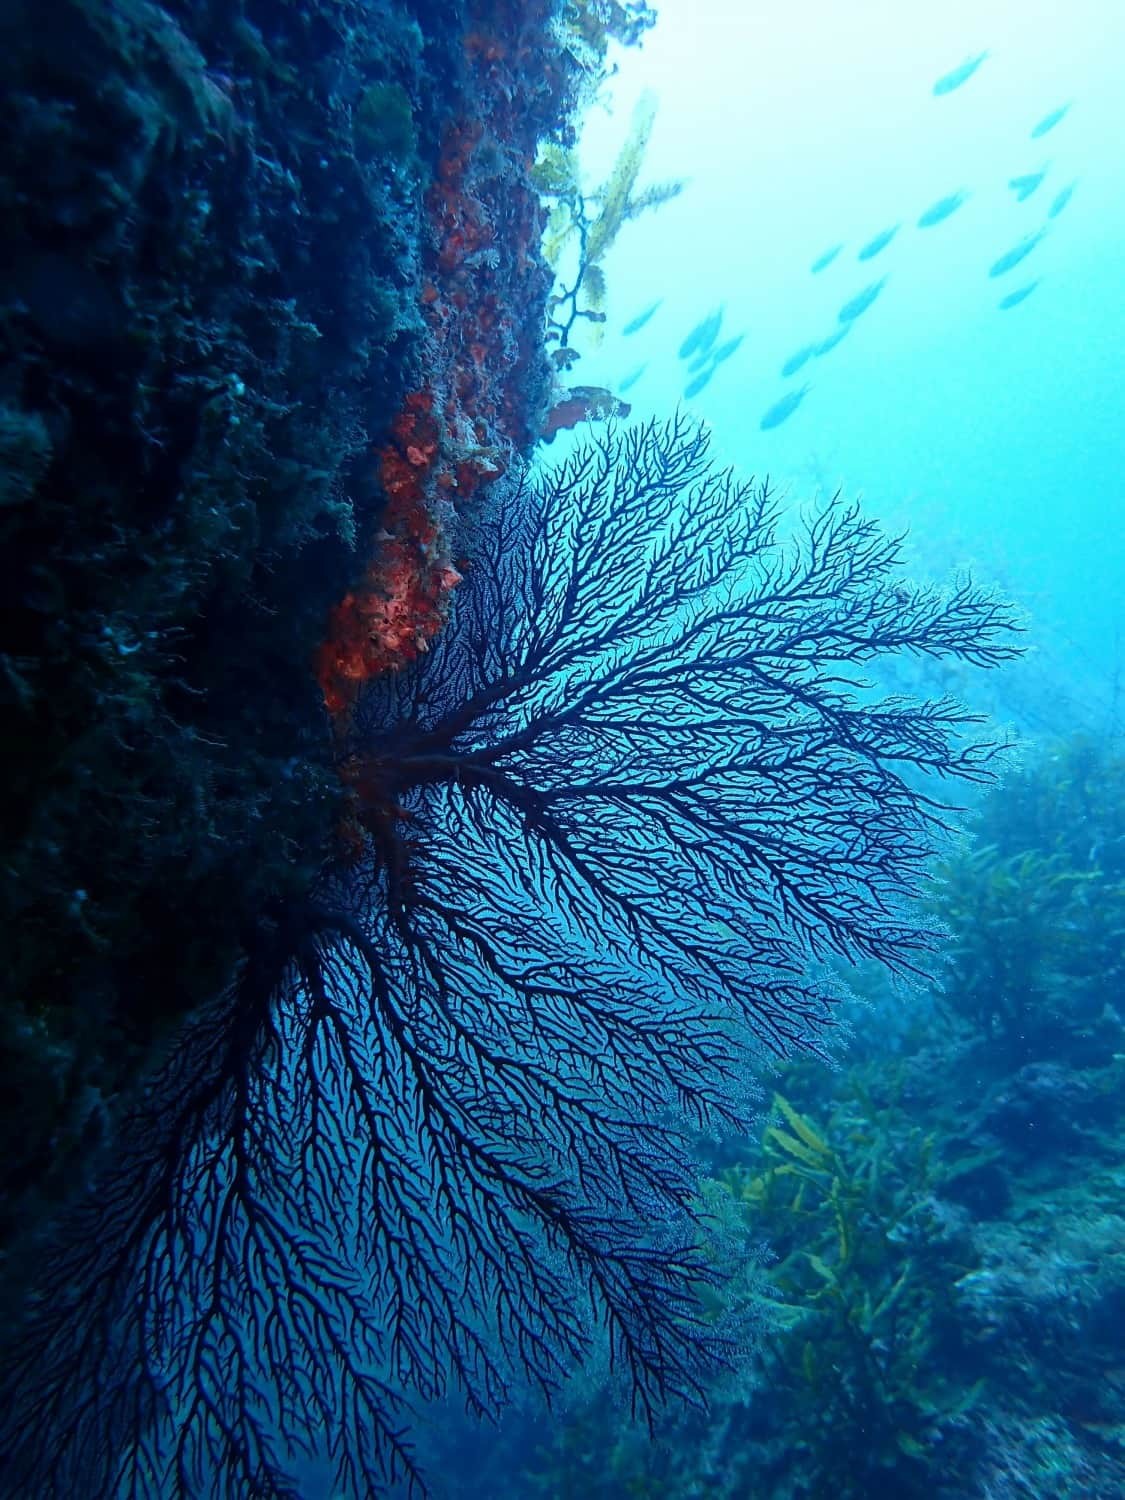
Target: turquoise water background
pixel 997 435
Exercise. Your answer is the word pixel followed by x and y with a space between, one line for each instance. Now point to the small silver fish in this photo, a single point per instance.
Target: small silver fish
pixel 1061 199
pixel 941 209
pixel 703 335
pixel 861 301
pixel 1048 122
pixel 957 76
pixel 796 361
pixel 724 351
pixel 1013 299
pixel 880 242
pixel 694 387
pixel 827 345
pixel 782 409
pixel 1024 186
pixel 1017 253
pixel 826 259
pixel 636 324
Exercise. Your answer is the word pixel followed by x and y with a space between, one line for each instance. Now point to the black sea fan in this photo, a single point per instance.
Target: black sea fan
pixel 441 1123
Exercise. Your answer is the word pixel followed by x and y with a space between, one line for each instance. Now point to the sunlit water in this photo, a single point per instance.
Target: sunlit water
pixel 997 434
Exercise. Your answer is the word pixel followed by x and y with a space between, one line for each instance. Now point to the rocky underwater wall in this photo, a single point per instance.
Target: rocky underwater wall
pixel 272 304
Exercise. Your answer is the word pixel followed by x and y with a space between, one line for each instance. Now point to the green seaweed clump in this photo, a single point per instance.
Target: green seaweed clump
pixel 583 226
pixel 1036 905
pixel 384 124
pixel 862 1363
pixel 939 1277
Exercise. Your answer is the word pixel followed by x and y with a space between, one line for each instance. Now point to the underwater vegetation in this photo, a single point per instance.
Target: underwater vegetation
pixel 586 223
pixel 943 1290
pixel 581 227
pixel 859 1242
pixel 1038 903
pixel 941 1298
pixel 444 1112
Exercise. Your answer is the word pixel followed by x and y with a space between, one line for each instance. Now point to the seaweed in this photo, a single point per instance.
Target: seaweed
pixel 587 224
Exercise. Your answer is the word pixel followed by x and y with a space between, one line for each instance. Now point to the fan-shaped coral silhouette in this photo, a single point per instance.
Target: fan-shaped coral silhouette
pixel 442 1120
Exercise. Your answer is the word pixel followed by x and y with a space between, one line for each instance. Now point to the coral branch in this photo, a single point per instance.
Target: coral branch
pixel 442 1126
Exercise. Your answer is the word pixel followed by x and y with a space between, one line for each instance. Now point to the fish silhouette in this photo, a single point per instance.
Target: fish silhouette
pixel 1024 186
pixel 1048 122
pixel 636 324
pixel 1061 199
pixel 827 345
pixel 879 242
pixel 957 76
pixel 941 209
pixel 795 361
pixel 780 410
pixel 1017 253
pixel 861 301
pixel 694 387
pixel 712 362
pixel 826 259
pixel 703 335
pixel 1013 299
pixel 724 351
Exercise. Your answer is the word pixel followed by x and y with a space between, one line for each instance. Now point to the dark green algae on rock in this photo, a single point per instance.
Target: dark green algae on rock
pixel 209 304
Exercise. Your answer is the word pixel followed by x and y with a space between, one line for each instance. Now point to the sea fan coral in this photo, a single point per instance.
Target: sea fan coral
pixel 444 1116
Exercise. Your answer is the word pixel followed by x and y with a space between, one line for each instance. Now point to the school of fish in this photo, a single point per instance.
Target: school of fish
pixel 703 354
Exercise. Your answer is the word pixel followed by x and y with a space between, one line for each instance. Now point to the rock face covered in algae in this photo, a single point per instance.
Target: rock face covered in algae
pixel 271 304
